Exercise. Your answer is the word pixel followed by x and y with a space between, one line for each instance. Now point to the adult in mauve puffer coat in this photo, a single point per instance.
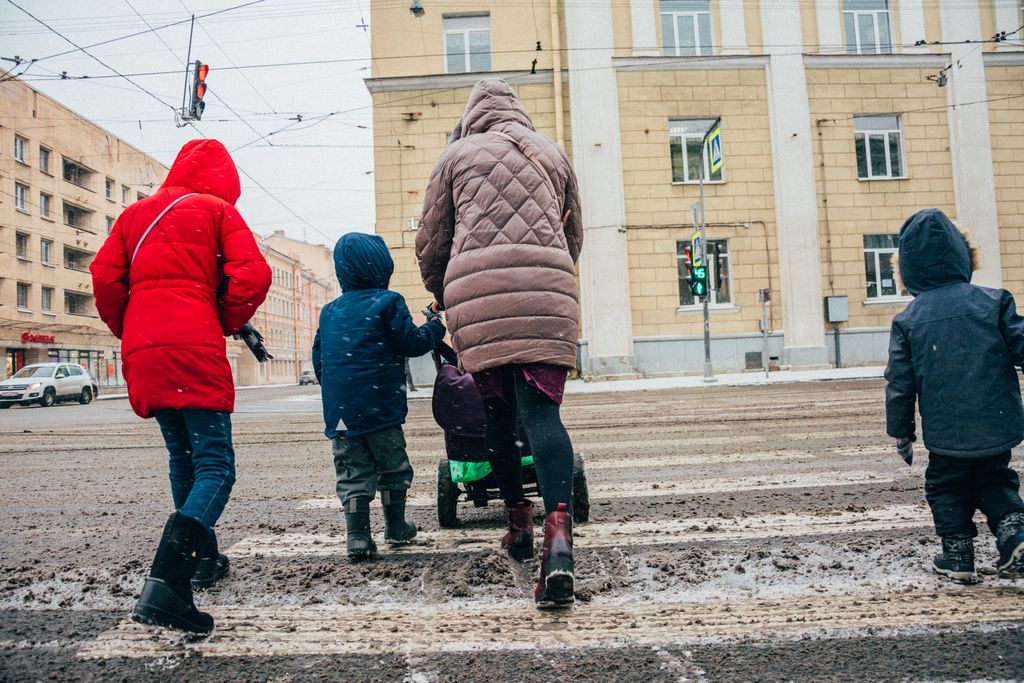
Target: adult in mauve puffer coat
pixel 197 277
pixel 498 241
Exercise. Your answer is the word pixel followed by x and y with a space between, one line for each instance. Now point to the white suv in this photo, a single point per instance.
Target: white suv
pixel 46 384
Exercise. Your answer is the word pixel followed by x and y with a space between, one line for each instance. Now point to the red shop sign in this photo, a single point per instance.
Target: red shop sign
pixel 27 337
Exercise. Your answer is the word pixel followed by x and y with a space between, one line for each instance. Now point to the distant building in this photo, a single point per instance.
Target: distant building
pixel 63 183
pixel 839 118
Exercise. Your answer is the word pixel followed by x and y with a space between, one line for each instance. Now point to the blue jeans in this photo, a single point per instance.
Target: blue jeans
pixel 201 461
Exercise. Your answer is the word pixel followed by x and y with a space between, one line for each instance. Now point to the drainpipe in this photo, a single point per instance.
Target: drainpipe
pixel 295 322
pixel 556 73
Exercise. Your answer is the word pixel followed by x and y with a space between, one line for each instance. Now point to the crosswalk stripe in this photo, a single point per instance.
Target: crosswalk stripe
pixel 644 489
pixel 476 625
pixel 603 534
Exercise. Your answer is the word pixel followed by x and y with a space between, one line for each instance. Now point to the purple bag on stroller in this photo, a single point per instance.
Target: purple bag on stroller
pixel 458 409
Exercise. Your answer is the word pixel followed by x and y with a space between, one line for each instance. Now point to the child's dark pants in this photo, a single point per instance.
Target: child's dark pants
pixel 956 487
pixel 371 462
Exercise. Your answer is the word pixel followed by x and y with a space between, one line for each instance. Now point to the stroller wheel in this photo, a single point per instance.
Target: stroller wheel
pixel 447 497
pixel 580 494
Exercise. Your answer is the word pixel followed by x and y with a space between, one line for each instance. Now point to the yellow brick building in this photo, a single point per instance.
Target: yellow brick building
pixel 839 119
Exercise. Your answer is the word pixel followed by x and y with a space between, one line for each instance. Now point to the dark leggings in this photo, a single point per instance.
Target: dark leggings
pixel 549 442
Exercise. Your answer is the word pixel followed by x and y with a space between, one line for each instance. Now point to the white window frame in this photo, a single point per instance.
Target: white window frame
pixel 465 32
pixel 108 188
pixel 20 145
pixel 21 246
pixel 126 194
pixel 44 305
pixel 46 252
pixel 45 201
pixel 885 134
pixel 877 253
pixel 706 166
pixel 20 302
pixel 45 153
pixel 110 220
pixel 21 197
pixel 700 50
pixel 712 290
pixel 857 47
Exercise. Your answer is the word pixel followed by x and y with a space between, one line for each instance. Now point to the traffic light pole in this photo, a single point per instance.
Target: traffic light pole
pixel 709 373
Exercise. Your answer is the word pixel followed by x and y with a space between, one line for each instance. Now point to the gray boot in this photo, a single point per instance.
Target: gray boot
pixel 357 520
pixel 957 559
pixel 397 531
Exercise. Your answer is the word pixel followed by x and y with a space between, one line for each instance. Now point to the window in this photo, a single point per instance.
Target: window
pixel 686 27
pixel 879 252
pixel 77 304
pixel 467 44
pixel 879 147
pixel 76 259
pixel 44 160
pixel 125 194
pixel 23 291
pixel 867 26
pixel 719 274
pixel 21 245
pixel 108 188
pixel 77 217
pixel 45 252
pixel 76 174
pixel 20 194
pixel 46 300
pixel 139 196
pixel 685 137
pixel 19 148
pixel 44 205
pixel 110 225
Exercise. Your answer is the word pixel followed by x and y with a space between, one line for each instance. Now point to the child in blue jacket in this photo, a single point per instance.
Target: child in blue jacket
pixel 955 350
pixel 359 355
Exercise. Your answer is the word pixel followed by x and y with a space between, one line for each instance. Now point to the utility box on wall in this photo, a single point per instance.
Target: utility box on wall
pixel 837 309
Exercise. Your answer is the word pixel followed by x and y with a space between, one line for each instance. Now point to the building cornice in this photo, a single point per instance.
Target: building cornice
pixel 893 61
pixel 1003 58
pixel 746 62
pixel 448 81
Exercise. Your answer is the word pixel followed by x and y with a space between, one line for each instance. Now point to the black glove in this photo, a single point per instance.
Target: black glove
pixel 430 313
pixel 254 340
pixel 905 448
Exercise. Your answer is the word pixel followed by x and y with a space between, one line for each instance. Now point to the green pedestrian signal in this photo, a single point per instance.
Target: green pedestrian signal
pixel 699 282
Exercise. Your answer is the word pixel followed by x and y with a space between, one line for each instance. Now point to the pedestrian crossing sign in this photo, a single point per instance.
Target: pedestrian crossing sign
pixel 715 149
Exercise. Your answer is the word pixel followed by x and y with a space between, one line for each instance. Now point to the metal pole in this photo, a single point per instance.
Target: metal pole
pixel 839 358
pixel 764 333
pixel 709 373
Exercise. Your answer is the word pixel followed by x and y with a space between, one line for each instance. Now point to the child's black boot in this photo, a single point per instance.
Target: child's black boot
pixel 166 598
pixel 397 530
pixel 1010 543
pixel 957 559
pixel 357 521
pixel 213 565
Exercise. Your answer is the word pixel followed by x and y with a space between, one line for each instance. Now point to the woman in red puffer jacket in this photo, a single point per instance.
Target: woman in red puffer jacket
pixel 171 286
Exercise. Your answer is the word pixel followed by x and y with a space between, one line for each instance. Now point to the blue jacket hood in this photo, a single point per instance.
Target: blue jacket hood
pixel 933 253
pixel 362 261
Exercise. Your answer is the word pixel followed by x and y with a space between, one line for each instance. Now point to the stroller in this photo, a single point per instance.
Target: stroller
pixel 466 474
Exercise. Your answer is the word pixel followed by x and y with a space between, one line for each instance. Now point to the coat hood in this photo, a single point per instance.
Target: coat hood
pixel 362 261
pixel 491 104
pixel 205 166
pixel 933 252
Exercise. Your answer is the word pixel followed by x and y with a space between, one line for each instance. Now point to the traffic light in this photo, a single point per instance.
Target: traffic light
pixel 699 281
pixel 197 105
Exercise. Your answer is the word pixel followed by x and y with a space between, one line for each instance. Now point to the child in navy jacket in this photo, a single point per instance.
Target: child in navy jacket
pixel 955 350
pixel 359 355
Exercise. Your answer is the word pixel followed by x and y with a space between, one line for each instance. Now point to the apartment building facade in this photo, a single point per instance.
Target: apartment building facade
pixel 63 183
pixel 839 118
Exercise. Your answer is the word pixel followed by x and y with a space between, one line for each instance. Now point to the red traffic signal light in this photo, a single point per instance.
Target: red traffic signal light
pixel 197 105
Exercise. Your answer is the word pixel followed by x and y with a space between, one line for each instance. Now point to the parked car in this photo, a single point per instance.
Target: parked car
pixel 48 383
pixel 307 377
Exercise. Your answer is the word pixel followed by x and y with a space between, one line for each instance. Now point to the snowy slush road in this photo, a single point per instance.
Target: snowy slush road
pixel 737 533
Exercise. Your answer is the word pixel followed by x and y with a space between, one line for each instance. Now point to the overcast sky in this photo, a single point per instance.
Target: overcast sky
pixel 320 168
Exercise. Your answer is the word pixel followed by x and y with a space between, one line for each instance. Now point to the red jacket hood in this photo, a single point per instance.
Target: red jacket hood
pixel 205 166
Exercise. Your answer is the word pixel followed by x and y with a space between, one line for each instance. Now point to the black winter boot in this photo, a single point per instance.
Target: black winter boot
pixel 213 566
pixel 397 531
pixel 957 560
pixel 1010 543
pixel 166 598
pixel 357 520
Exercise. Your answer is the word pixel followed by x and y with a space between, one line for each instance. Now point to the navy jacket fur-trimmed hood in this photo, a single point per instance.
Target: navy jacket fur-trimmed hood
pixel 954 350
pixel 364 338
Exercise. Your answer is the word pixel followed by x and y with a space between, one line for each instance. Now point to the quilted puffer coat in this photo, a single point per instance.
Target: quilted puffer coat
pixel 499 237
pixel 197 277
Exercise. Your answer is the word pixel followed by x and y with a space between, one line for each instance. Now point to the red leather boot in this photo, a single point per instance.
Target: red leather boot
pixel 519 539
pixel 556 585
